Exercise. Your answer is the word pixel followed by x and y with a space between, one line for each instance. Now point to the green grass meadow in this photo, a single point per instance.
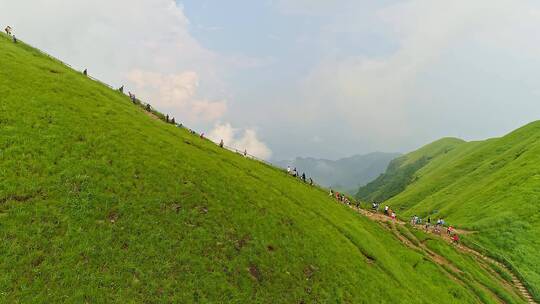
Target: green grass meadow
pixel 100 203
pixel 492 187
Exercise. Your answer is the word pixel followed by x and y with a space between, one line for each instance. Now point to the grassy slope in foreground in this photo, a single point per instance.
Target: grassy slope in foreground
pixel 101 203
pixel 401 171
pixel 492 187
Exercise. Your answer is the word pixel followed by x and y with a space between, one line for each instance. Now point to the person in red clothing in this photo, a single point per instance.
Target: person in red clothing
pixel 455 238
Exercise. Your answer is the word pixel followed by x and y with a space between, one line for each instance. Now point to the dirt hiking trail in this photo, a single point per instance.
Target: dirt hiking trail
pixel 409 240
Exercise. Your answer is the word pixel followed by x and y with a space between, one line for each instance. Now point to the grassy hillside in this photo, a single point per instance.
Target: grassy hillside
pixel 402 171
pixel 101 203
pixel 492 187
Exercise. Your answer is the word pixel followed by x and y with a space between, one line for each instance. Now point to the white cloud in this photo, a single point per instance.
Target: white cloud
pixel 144 44
pixel 177 93
pixel 235 138
pixel 394 97
pixel 312 7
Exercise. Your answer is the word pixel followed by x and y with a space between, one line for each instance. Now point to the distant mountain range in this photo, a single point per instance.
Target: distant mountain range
pixel 345 174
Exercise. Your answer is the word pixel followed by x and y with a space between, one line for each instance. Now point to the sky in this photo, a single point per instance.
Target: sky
pixel 321 78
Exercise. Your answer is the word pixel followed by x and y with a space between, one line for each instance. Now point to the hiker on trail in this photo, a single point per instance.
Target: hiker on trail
pixel 8 30
pixel 294 172
pixel 221 143
pixel 413 220
pixel 167 118
pixel 374 206
pixel 331 193
pixel 149 108
pixel 311 181
pixel 85 72
pixel 202 134
pixel 131 96
pixel 450 230
pixel 289 171
pixel 304 177
pixel 428 223
pixel 386 208
pixel 14 39
pixel 455 238
pixel 437 229
pixel 245 152
pixel 173 121
pixel 121 89
pixel 393 216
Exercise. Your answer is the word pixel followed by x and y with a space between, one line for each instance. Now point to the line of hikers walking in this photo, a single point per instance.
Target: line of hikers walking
pixel 437 228
pixel 167 119
pixel 340 197
pixel 415 220
pixel 296 173
pixel 147 106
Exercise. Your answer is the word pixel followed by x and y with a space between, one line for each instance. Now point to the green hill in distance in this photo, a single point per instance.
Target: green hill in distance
pixel 491 187
pixel 102 203
pixel 401 171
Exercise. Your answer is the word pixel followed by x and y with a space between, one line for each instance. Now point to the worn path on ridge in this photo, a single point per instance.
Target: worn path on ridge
pixel 481 258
